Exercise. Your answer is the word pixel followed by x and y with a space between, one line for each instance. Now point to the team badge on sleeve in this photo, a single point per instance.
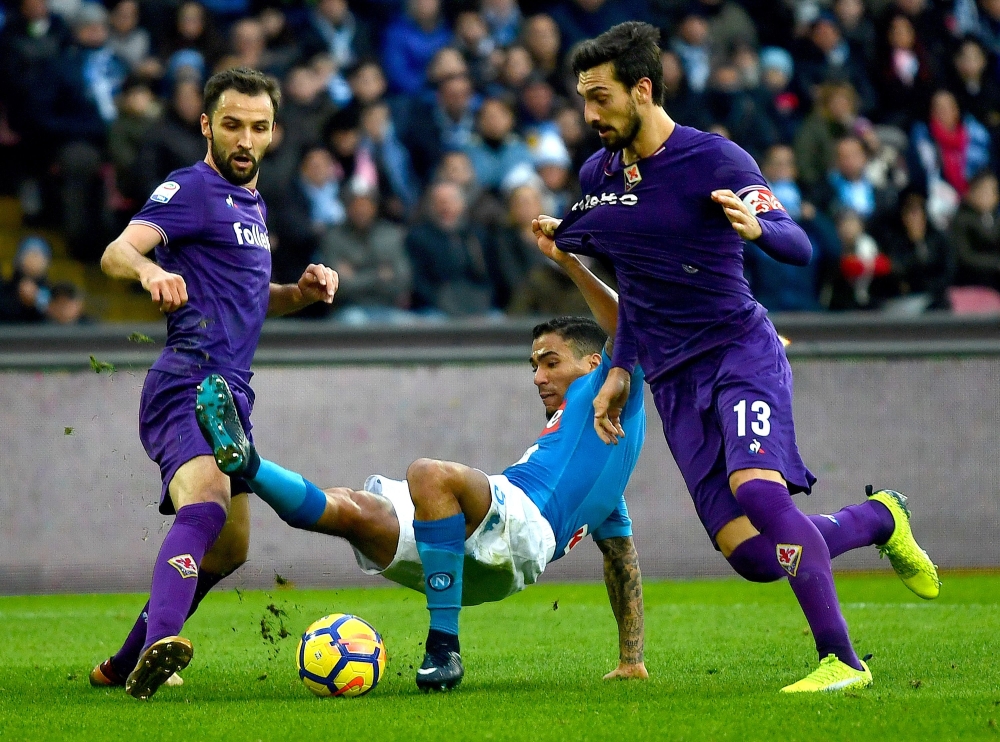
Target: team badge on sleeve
pixel 632 176
pixel 165 191
pixel 788 557
pixel 185 564
pixel 759 199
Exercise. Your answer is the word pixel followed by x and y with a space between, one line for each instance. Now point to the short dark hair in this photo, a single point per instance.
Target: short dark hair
pixel 582 334
pixel 242 80
pixel 633 48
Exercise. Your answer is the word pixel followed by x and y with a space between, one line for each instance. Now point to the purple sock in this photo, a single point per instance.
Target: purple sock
pixel 801 551
pixel 755 560
pixel 125 658
pixel 855 526
pixel 170 599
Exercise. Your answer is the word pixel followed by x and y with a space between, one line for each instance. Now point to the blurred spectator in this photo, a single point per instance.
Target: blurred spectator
pixel 410 43
pixel 683 104
pixel 514 72
pixel 279 37
pixel 743 112
pixel 932 22
pixel 549 291
pixel 447 253
pixel 138 109
pixel 923 261
pixel 30 45
pixel 249 47
pixel 503 17
pixel 305 107
pixel 904 75
pixel 366 81
pixel 852 188
pixel 319 183
pixel 825 56
pixel 496 150
pixel 128 39
pixel 194 31
pixel 445 124
pixel 400 188
pixel 333 29
pixel 857 28
pixel 834 115
pixel 25 298
pixel 778 286
pixel 584 19
pixel 694 48
pixel 355 163
pixel 542 39
pixel 537 105
pixel 865 271
pixel 514 250
pixel 785 109
pixel 367 253
pixel 976 88
pixel 66 305
pixel 472 39
pixel 729 26
pixel 331 79
pixel 483 208
pixel 280 166
pixel 982 20
pixel 173 142
pixel 945 153
pixel 74 114
pixel 581 140
pixel 446 62
pixel 552 163
pixel 976 233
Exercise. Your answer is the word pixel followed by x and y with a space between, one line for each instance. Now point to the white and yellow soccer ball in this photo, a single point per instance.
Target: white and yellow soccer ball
pixel 340 655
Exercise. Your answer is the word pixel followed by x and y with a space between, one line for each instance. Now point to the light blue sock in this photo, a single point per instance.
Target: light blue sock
pixel 441 544
pixel 298 502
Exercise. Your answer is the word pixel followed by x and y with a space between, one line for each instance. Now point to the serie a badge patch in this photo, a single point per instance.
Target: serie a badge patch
pixel 632 176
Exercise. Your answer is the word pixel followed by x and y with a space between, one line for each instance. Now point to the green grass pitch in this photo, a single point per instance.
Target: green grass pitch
pixel 717 652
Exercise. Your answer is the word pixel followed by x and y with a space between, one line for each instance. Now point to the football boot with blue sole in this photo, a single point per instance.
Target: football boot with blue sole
pixel 219 421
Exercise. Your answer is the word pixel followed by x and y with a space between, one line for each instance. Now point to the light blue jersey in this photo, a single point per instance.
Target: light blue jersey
pixel 576 480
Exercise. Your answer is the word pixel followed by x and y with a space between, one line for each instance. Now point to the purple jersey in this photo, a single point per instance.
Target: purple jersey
pixel 678 261
pixel 214 236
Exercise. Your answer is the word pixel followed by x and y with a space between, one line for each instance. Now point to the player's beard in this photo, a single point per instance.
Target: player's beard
pixel 224 163
pixel 619 142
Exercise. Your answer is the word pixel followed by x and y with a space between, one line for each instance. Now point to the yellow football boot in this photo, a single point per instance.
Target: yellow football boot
pixel 832 674
pixel 911 563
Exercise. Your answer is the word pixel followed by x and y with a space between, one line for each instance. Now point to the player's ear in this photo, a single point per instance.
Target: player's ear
pixel 644 91
pixel 595 360
pixel 206 126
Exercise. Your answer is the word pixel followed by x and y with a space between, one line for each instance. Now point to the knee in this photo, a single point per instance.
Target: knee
pixel 428 480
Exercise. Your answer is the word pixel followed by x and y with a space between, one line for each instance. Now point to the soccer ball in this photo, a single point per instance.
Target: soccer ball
pixel 340 655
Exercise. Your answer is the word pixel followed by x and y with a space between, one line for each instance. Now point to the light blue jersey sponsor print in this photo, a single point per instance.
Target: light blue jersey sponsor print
pixel 574 478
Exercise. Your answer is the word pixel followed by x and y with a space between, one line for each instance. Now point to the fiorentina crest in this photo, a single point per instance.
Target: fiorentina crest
pixel 632 176
pixel 185 564
pixel 788 557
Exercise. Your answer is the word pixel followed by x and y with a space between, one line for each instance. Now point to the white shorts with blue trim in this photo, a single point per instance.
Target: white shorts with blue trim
pixel 508 551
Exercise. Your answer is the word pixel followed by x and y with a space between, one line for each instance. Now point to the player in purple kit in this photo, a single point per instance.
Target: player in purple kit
pixel 212 279
pixel 670 206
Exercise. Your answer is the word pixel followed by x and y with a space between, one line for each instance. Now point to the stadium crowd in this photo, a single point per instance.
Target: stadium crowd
pixel 418 138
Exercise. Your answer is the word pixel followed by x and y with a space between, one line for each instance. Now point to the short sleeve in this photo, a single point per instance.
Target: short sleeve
pixel 175 209
pixel 618 524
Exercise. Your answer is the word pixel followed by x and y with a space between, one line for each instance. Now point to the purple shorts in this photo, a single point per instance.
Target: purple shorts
pixel 728 410
pixel 169 429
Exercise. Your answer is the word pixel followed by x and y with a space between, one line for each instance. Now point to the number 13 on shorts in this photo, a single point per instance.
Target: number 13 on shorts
pixel 761 425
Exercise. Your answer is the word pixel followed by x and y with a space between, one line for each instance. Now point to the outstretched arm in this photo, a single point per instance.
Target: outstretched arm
pixel 624 583
pixel 601 299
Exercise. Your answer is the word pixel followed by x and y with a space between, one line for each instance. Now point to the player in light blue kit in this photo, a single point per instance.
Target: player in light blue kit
pixel 462 537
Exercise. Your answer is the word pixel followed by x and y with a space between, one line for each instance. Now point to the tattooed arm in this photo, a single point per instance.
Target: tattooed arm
pixel 624 582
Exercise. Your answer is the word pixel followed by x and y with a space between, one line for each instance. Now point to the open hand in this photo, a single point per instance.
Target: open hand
pixel 609 403
pixel 318 283
pixel 745 223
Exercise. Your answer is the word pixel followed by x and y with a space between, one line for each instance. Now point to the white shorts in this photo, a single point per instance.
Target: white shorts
pixel 508 551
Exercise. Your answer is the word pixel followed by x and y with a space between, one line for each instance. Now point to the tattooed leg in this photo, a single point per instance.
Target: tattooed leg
pixel 624 583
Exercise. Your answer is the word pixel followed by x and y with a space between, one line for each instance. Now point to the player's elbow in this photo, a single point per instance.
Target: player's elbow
pixel 107 259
